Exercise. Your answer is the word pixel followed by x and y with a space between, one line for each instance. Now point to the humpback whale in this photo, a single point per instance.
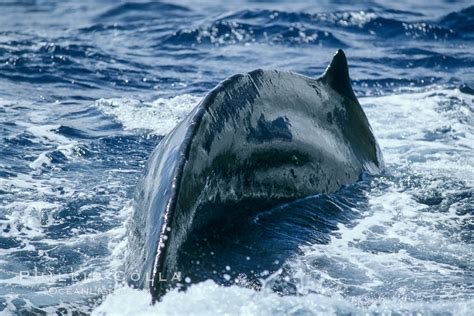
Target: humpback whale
pixel 255 141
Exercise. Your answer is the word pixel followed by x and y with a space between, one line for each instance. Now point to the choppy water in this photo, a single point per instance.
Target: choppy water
pixel 88 88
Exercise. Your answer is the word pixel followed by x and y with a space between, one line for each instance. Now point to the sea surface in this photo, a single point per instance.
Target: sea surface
pixel 89 88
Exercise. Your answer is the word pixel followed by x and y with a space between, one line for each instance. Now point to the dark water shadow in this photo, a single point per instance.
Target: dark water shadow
pixel 248 250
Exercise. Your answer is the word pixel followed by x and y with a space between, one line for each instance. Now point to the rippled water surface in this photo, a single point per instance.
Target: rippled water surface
pixel 88 88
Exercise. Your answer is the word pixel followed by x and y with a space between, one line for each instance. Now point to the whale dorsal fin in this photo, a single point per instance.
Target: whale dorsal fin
pixel 337 75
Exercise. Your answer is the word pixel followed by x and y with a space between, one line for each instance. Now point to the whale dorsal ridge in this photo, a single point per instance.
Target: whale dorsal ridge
pixel 337 75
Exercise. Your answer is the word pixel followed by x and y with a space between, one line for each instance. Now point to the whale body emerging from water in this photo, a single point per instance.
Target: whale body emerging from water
pixel 255 141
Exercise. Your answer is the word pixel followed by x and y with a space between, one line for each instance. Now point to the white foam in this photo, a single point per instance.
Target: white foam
pixel 46 133
pixel 402 121
pixel 28 217
pixel 118 238
pixel 207 298
pixel 159 116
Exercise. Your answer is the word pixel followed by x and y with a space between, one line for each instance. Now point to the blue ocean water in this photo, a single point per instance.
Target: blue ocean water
pixel 88 88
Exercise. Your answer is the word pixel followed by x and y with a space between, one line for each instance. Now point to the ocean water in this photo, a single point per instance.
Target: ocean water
pixel 89 88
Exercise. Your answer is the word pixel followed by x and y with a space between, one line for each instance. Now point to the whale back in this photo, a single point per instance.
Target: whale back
pixel 256 140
